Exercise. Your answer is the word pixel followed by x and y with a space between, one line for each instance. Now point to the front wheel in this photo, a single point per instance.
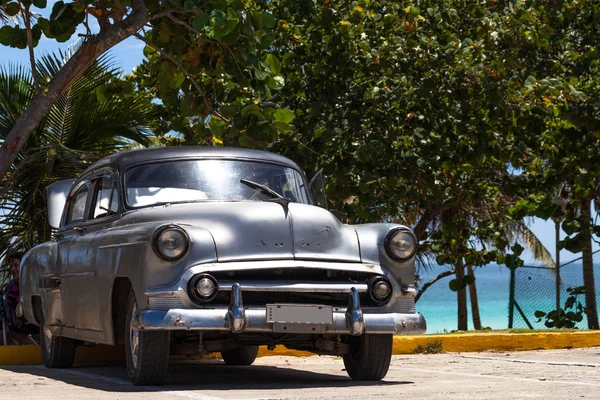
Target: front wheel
pixel 147 353
pixel 57 351
pixel 241 355
pixel 369 358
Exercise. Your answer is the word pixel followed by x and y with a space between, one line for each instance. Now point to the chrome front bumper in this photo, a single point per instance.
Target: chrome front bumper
pixel 238 319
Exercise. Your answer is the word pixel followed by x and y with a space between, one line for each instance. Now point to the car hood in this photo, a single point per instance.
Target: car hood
pixel 261 230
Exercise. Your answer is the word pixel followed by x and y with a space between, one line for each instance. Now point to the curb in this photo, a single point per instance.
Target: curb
pixel 453 343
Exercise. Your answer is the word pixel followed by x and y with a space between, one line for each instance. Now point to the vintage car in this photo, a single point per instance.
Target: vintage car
pixel 193 250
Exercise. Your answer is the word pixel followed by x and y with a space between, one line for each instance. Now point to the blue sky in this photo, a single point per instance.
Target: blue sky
pixel 129 54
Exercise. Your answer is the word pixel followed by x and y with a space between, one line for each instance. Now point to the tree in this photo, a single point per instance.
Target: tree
pixel 206 48
pixel 561 92
pixel 78 129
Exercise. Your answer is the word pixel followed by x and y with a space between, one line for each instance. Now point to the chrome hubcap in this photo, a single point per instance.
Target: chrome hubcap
pixel 134 338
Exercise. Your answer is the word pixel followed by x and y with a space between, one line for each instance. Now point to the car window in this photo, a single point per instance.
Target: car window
pixel 210 180
pixel 77 206
pixel 107 201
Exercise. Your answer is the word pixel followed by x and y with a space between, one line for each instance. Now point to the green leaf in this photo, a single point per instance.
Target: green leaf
pixel 273 63
pixel 284 115
pixel 251 109
pixel 186 106
pixel 276 82
pixel 268 20
pixel 11 9
pixel 228 111
pixel 529 82
pixel 152 5
pixel 7 35
pixel 148 51
pixel 232 36
pixel 319 132
pixel 164 34
pixel 79 7
pixel 176 80
pixel 221 5
pixel 468 279
pixel 539 314
pixel 282 126
pixel 453 285
pixel 13 37
pixel 189 5
pixel 200 21
pixel 257 20
pixel 221 26
pixel 101 93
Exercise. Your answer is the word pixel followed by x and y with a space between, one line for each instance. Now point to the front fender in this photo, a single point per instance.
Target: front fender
pixel 372 250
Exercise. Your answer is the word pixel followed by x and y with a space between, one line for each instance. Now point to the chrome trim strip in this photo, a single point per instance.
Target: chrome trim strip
pixel 108 246
pixel 77 274
pixel 275 264
pixel 294 286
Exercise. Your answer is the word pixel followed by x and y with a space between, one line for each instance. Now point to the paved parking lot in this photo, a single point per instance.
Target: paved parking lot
pixel 566 374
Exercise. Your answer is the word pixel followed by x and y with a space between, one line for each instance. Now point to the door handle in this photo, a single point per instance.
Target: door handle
pixel 79 229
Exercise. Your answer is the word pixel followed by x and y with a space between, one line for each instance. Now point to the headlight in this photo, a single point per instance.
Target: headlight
pixel 170 243
pixel 401 244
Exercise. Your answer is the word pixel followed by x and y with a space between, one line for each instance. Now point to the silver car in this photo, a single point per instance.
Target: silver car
pixel 194 250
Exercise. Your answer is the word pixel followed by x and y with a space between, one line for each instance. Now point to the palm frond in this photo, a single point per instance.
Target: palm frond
pixel 518 231
pixel 77 131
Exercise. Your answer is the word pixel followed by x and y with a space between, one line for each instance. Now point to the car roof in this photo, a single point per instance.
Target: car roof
pixel 127 158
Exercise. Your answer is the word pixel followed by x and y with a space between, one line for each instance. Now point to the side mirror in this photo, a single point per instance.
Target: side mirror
pixel 340 215
pixel 56 194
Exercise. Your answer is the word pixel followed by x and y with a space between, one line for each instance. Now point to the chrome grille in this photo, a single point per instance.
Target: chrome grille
pixel 165 303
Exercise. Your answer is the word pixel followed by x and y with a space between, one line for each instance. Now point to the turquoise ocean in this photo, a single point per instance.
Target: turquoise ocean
pixel 534 291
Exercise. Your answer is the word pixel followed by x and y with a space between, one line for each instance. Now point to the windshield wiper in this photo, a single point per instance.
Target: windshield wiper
pixel 262 188
pixel 275 197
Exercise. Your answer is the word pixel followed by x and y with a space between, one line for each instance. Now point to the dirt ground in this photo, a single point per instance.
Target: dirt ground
pixel 561 374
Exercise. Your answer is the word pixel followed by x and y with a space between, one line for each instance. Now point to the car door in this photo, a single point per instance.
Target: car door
pixel 87 275
pixel 76 259
pixel 104 212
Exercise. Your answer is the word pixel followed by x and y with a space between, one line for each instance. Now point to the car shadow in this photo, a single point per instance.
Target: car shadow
pixel 199 375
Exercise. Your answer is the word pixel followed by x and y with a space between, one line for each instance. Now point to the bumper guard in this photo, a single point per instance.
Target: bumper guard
pixel 237 319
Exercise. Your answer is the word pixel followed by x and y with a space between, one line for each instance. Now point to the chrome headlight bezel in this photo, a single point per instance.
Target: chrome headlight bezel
pixel 389 242
pixel 193 292
pixel 163 230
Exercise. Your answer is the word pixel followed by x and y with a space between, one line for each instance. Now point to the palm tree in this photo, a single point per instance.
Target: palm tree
pixel 78 130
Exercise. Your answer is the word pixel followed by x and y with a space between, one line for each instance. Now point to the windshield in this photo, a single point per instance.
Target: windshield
pixel 206 180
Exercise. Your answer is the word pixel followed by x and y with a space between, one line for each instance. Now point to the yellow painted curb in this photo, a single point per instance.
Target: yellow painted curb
pixel 452 343
pixel 456 343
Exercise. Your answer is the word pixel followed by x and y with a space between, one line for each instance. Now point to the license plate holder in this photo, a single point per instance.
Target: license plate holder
pixel 300 314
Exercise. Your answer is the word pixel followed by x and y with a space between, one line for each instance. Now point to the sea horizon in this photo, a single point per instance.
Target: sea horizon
pixel 534 290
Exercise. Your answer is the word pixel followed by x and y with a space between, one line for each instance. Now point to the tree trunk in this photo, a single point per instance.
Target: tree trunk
pixel 461 296
pixel 71 71
pixel 588 268
pixel 474 301
pixel 557 222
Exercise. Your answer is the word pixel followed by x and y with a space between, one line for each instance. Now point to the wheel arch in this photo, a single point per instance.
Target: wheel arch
pixel 119 297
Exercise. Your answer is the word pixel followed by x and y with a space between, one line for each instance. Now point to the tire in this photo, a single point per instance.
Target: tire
pixel 146 353
pixel 369 358
pixel 57 351
pixel 242 355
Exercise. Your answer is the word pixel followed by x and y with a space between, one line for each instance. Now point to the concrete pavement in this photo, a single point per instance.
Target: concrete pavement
pixel 543 374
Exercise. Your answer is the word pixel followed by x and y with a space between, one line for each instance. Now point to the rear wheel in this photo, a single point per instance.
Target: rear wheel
pixel 369 358
pixel 57 351
pixel 147 353
pixel 241 355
